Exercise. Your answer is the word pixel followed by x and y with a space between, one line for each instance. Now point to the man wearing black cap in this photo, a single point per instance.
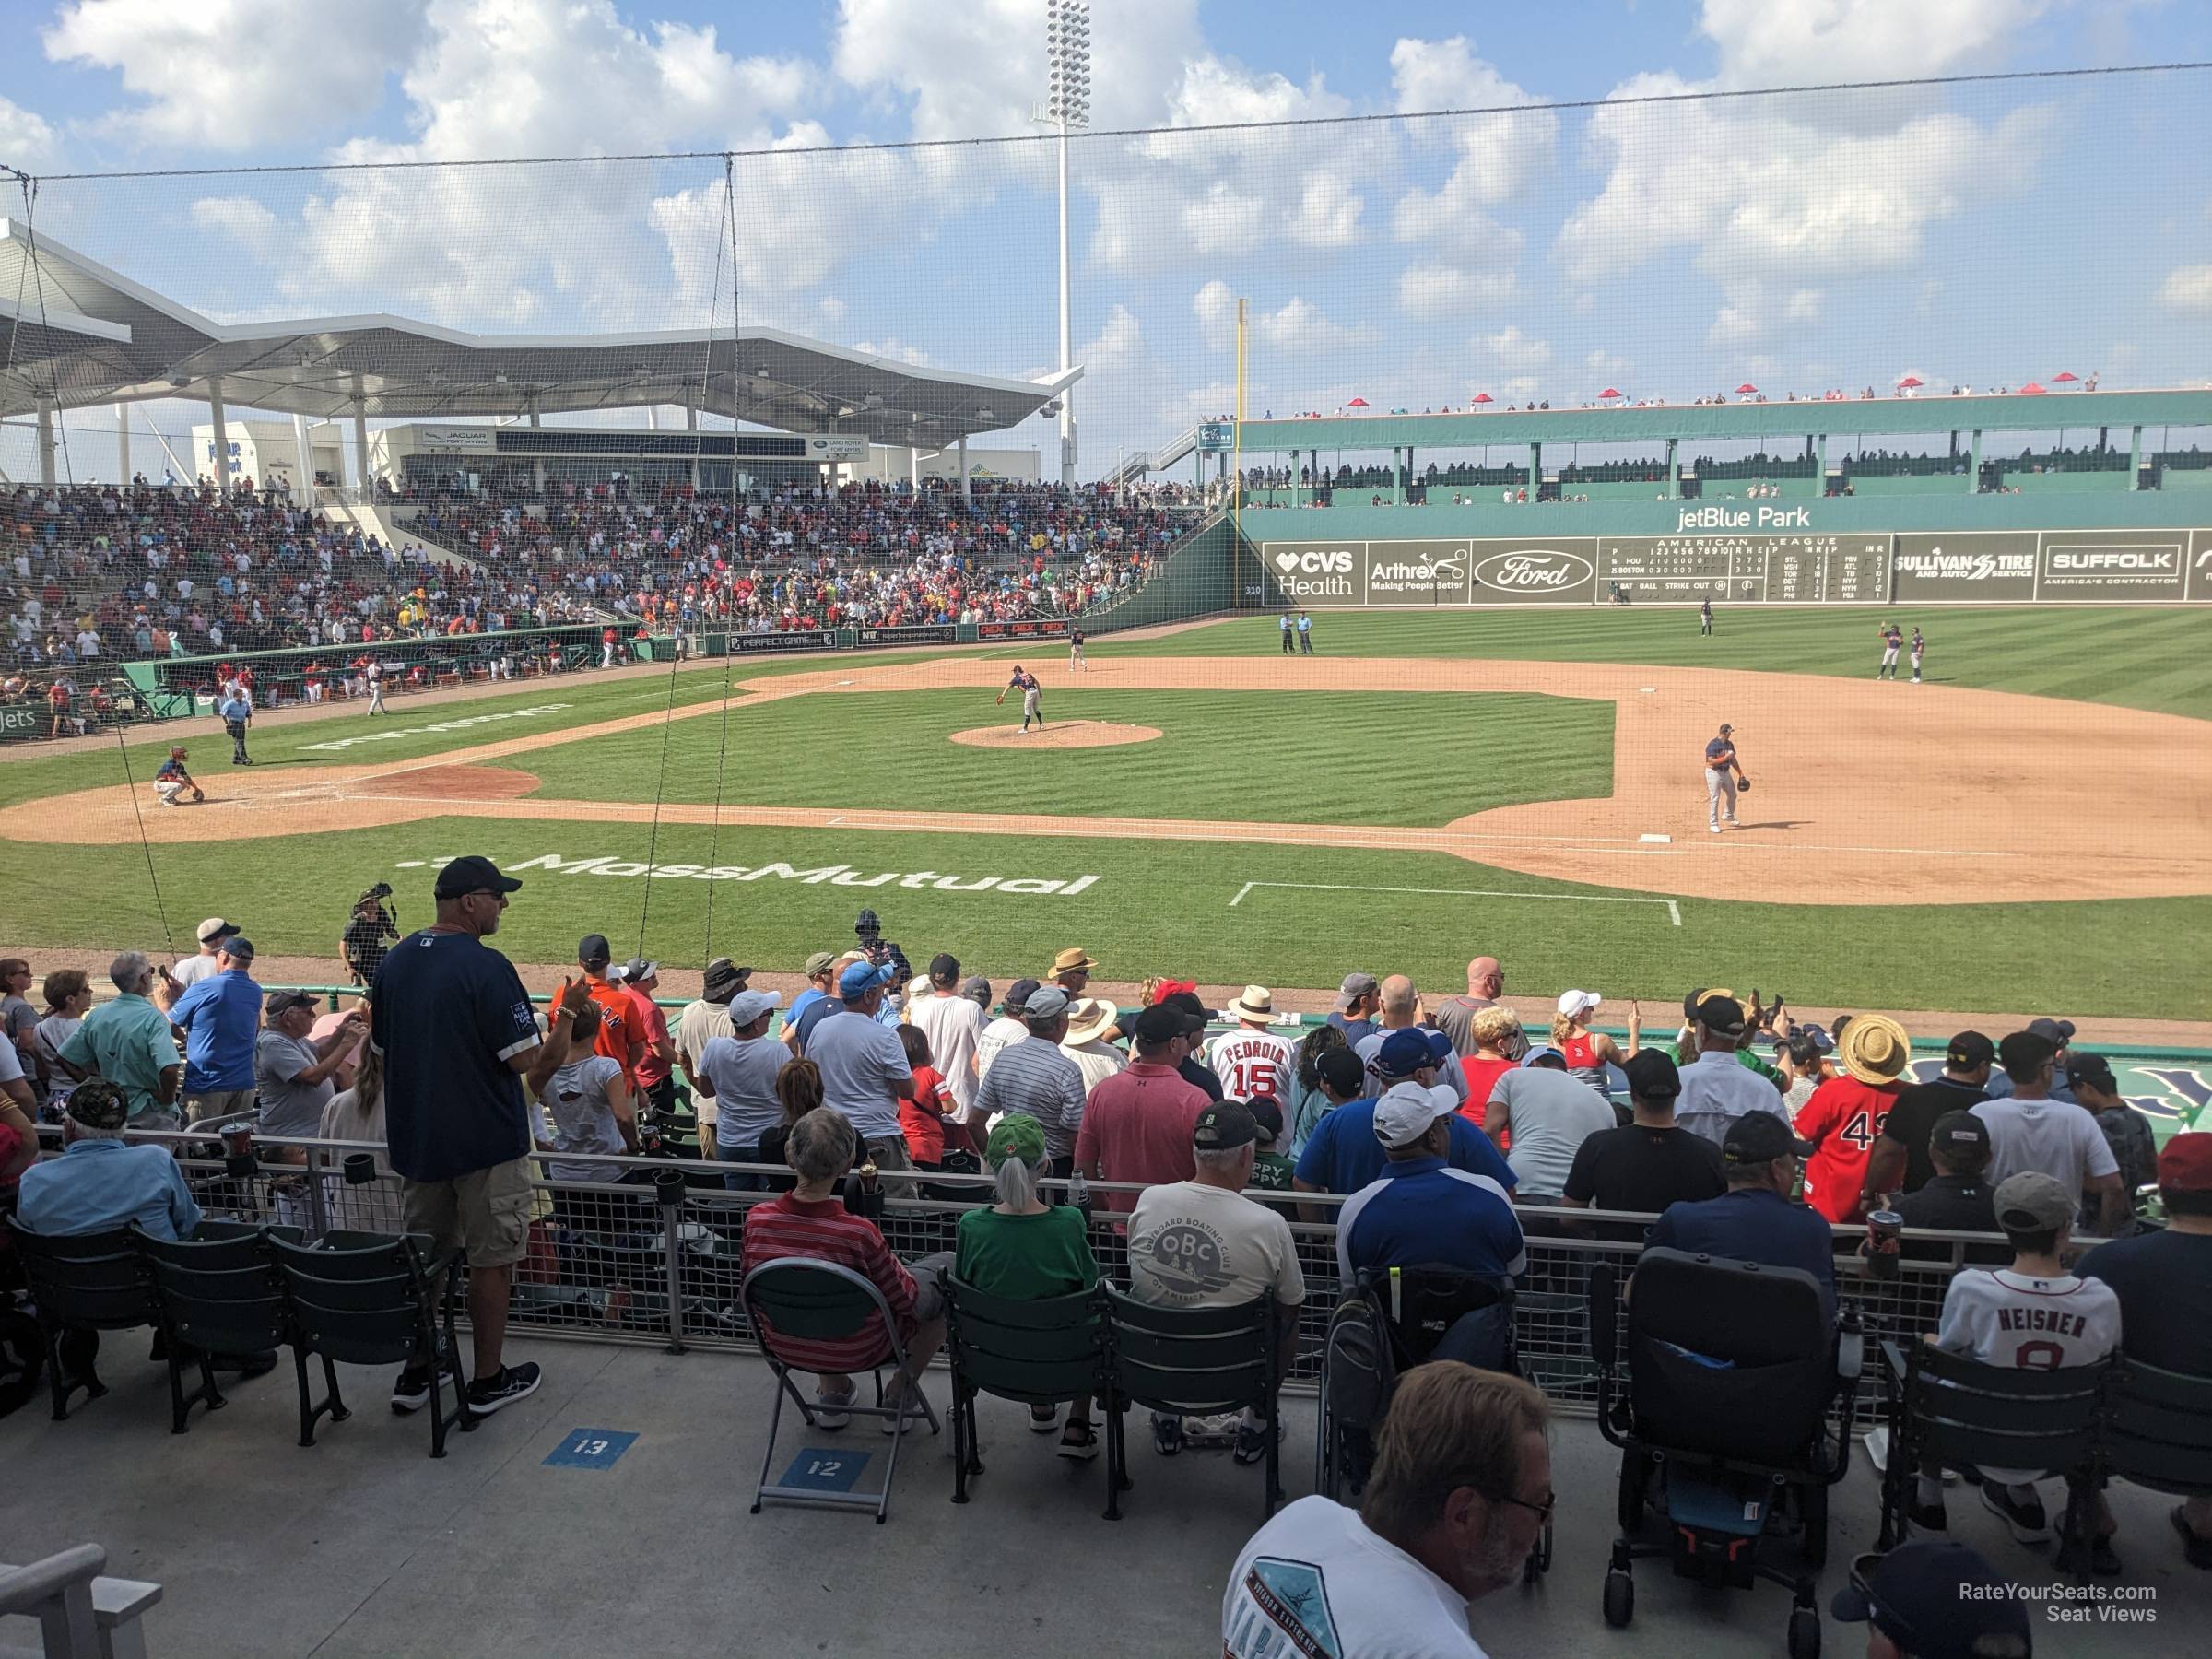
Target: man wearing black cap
pixel 1900 1162
pixel 1956 1198
pixel 1650 1163
pixel 2030 1129
pixel 2059 1034
pixel 620 1038
pixel 1756 1219
pixel 699 1024
pixel 953 1024
pixel 1137 1123
pixel 1933 1599
pixel 1717 1088
pixel 2126 1130
pixel 453 1025
pixel 1007 1028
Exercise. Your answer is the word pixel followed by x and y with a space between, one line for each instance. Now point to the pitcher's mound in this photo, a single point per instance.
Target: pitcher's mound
pixel 1058 734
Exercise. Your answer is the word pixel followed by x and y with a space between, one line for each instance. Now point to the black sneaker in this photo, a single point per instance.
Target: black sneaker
pixel 1167 1435
pixel 2028 1521
pixel 2196 1550
pixel 412 1390
pixel 2096 1556
pixel 1252 1440
pixel 487 1395
pixel 1929 1517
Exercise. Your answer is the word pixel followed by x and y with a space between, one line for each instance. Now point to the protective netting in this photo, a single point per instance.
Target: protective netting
pixel 505 422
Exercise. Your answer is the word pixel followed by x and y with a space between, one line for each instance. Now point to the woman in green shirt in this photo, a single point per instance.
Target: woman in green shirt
pixel 1025 1250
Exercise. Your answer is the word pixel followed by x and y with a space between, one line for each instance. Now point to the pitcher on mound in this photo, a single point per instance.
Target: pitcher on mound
pixel 1032 697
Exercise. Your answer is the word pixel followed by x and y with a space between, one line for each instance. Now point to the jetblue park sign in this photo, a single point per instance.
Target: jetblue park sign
pixel 1747 556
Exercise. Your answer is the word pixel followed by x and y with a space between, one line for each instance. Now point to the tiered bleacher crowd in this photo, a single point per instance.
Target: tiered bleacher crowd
pixel 1437 1134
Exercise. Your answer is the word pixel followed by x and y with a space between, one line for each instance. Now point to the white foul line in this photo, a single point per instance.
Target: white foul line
pixel 1673 908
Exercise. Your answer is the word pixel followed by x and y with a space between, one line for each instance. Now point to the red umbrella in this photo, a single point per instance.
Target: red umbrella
pixel 1482 398
pixel 1747 386
pixel 1912 380
pixel 1356 403
pixel 2065 374
pixel 1609 392
pixel 2032 387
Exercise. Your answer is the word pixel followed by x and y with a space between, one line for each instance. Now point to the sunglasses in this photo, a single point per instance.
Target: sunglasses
pixel 1541 1511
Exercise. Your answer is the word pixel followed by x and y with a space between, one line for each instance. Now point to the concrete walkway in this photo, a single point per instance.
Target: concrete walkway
pixel 364 1546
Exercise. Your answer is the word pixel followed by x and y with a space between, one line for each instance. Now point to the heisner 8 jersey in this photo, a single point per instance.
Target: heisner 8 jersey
pixel 2008 1319
pixel 1252 1066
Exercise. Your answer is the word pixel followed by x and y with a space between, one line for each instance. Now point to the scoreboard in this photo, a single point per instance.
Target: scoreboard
pixel 1786 569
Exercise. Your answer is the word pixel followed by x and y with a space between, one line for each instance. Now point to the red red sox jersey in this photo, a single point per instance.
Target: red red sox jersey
pixel 2008 1319
pixel 1253 1064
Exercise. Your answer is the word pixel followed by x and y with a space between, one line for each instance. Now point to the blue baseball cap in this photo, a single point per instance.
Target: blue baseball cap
pixel 860 978
pixel 1405 1052
pixel 1936 1601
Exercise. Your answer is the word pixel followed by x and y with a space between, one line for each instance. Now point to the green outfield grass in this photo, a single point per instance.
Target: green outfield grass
pixel 1254 757
pixel 2143 657
pixel 1155 908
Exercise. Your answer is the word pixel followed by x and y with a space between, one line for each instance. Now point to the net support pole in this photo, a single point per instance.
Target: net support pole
pixel 46 441
pixel 961 443
pixel 122 441
pixel 360 449
pixel 692 425
pixel 1973 471
pixel 1674 470
pixel 537 463
pixel 222 435
pixel 2135 458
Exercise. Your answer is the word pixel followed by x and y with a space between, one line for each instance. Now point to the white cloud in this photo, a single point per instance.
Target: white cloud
pixel 1733 326
pixel 1426 292
pixel 897 350
pixel 1328 213
pixel 1763 196
pixel 1763 44
pixel 1297 326
pixel 26 140
pixel 2187 288
pixel 1805 306
pixel 1120 343
pixel 230 74
pixel 1512 349
pixel 1606 365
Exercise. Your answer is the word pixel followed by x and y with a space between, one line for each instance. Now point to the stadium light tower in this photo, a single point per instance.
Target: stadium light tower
pixel 1066 107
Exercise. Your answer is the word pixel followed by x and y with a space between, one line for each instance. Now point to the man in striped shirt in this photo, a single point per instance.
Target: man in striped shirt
pixel 1033 1076
pixel 811 1223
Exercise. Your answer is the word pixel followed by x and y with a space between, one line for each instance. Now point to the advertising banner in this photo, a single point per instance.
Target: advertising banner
pixel 798 639
pixel 2200 565
pixel 2113 564
pixel 1040 628
pixel 836 446
pixel 21 720
pixel 1317 572
pixel 455 441
pixel 1983 565
pixel 1418 573
pixel 914 633
pixel 1532 570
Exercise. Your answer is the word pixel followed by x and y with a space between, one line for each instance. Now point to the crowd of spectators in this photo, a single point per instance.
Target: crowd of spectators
pixel 868 555
pixel 1433 1134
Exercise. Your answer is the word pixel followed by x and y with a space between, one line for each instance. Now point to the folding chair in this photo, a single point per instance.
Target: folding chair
pixel 83 1282
pixel 1191 1361
pixel 795 1299
pixel 366 1298
pixel 1050 1352
pixel 1952 1410
pixel 218 1293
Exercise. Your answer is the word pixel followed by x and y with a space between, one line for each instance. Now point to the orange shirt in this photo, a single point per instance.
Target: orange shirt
pixel 617 1026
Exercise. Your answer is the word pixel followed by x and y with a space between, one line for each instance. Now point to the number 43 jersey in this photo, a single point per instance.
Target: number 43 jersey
pixel 1843 1120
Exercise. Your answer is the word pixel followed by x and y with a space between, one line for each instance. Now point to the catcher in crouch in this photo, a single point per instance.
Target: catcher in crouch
pixel 1724 775
pixel 171 779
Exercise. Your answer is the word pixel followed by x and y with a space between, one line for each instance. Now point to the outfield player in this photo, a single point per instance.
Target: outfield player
pixel 1892 641
pixel 1253 1063
pixel 1919 646
pixel 2032 1316
pixel 1289 649
pixel 171 779
pixel 374 673
pixel 1075 647
pixel 1722 770
pixel 1032 697
pixel 1705 615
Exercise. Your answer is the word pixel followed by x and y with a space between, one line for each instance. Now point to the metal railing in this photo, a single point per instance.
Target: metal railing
pixel 629 1260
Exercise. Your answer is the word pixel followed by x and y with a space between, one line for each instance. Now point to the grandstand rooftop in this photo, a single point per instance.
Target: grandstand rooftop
pixel 80 334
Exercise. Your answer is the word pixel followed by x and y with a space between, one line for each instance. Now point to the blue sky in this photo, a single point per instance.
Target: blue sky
pixel 1983 234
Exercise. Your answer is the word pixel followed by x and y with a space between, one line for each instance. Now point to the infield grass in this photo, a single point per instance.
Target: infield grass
pixel 1250 757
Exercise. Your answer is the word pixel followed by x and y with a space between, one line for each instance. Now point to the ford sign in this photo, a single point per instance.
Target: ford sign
pixel 1535 569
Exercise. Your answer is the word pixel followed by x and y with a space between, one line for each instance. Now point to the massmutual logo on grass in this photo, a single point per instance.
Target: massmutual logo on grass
pixel 832 875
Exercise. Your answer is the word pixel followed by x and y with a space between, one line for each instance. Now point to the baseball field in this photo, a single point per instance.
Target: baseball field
pixel 2029 830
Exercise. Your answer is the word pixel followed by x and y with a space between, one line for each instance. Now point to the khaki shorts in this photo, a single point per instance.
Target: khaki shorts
pixel 224 1103
pixel 487 1212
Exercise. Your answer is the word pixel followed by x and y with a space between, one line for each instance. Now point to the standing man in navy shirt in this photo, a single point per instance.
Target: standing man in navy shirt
pixel 453 1025
pixel 1722 771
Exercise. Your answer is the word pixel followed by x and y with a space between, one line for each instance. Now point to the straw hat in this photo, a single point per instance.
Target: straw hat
pixel 1256 1006
pixel 1873 1049
pixel 1074 959
pixel 1087 1017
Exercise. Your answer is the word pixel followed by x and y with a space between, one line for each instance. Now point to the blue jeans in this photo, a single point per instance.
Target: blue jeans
pixel 740 1180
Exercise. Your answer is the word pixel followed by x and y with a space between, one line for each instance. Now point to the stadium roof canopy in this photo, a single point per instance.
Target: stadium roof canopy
pixel 74 331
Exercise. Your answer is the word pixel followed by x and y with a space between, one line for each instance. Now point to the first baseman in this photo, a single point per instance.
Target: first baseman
pixel 1892 641
pixel 1032 697
pixel 1722 771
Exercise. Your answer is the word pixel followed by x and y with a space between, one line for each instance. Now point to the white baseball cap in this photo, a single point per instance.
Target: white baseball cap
pixel 1405 1110
pixel 1573 1004
pixel 215 928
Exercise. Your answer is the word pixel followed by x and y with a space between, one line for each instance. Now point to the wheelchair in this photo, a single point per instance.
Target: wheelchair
pixel 1734 1421
pixel 1391 1320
